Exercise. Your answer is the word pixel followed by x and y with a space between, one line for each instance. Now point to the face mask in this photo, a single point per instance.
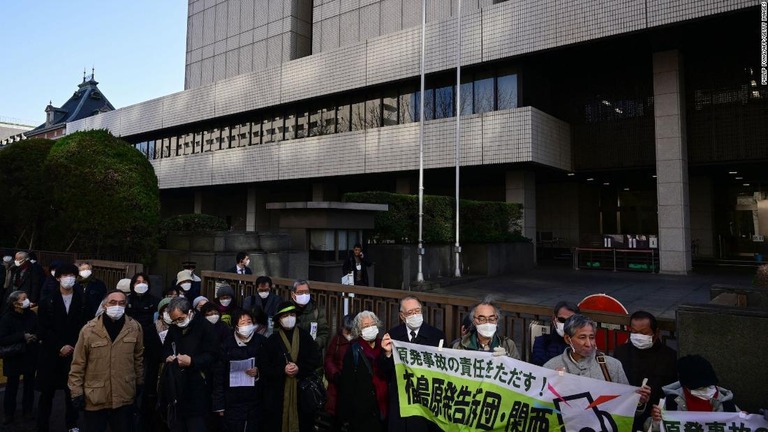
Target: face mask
pixel 25 304
pixel 225 302
pixel 705 393
pixel 302 299
pixel 641 341
pixel 67 282
pixel 348 336
pixel 53 273
pixel 7 259
pixel 186 286
pixel 141 288
pixel 414 321
pixel 167 318
pixel 246 331
pixel 115 312
pixel 186 321
pixel 18 263
pixel 263 294
pixel 560 328
pixel 288 322
pixel 213 319
pixel 85 273
pixel 486 330
pixel 369 333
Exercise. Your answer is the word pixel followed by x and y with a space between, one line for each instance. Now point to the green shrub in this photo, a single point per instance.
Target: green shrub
pixel 480 221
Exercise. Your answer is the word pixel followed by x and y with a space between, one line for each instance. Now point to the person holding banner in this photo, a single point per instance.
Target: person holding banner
pixel 484 336
pixel 363 388
pixel 413 329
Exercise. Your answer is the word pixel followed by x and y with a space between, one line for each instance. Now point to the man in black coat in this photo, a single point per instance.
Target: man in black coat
pixel 357 264
pixel 27 276
pixel 93 290
pixel 414 330
pixel 646 356
pixel 61 316
pixel 242 260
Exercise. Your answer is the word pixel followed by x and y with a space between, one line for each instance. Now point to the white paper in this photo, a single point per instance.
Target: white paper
pixel 313 329
pixel 348 279
pixel 162 336
pixel 237 375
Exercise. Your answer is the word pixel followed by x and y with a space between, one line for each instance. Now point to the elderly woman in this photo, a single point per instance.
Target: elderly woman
pixel 290 354
pixel 363 389
pixel 334 360
pixel 19 325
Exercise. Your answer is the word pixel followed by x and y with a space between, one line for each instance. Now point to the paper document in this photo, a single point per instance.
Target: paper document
pixel 237 375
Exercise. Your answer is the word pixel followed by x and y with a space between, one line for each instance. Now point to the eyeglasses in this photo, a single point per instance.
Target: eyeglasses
pixel 116 303
pixel 487 319
pixel 302 292
pixel 562 320
pixel 415 311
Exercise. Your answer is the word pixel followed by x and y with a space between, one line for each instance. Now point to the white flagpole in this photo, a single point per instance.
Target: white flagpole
pixel 420 251
pixel 457 273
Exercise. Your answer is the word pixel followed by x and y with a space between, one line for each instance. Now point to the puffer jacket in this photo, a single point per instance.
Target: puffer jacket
pixel 469 342
pixel 107 372
pixel 675 401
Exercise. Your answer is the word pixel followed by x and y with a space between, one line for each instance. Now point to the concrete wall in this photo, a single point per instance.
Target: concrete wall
pixel 701 204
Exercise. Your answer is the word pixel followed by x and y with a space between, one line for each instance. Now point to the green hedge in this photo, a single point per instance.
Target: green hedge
pixel 190 222
pixel 480 221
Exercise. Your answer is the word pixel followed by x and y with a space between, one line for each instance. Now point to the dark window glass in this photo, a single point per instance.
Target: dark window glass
pixel 151 149
pixel 506 91
pixel 409 102
pixel 484 93
pixel 256 132
pixel 223 140
pixel 322 120
pixel 244 135
pixel 278 126
pixel 358 115
pixel 188 143
pixel 198 142
pixel 389 109
pixel 344 117
pixel 444 102
pixel 467 95
pixel 302 123
pixel 429 104
pixel 373 113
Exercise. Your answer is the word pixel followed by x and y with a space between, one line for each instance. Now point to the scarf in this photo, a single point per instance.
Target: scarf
pixel 290 390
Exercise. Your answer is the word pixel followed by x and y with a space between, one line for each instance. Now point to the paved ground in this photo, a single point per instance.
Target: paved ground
pixel 551 282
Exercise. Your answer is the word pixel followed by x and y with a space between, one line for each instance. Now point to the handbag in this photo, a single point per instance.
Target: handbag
pixel 13 350
pixel 312 394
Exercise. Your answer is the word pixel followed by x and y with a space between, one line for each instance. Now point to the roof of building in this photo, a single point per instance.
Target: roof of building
pixel 87 101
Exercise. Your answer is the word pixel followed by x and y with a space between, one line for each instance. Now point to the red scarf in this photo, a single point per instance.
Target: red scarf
pixel 379 383
pixel 697 404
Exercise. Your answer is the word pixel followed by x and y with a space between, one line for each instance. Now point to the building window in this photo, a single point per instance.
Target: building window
pixel 327 245
pixel 506 91
pixel 408 104
pixel 344 117
pixel 389 109
pixel 484 93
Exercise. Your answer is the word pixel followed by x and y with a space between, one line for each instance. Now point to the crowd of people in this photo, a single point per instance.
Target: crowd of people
pixel 128 360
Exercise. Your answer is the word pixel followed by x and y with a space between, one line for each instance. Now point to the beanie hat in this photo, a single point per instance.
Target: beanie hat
pixel 163 302
pixel 184 275
pixel 197 301
pixel 695 372
pixel 124 285
pixel 225 290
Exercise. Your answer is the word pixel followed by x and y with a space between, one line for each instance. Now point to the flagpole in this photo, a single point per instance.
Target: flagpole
pixel 457 272
pixel 420 251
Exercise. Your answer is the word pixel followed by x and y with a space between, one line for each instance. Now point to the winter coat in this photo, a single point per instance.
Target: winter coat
pixel 334 361
pixel 57 329
pixel 469 342
pixel 28 278
pixel 546 347
pixel 359 396
pixel 589 367
pixel 13 325
pixel 350 266
pixel 199 341
pixel 306 315
pixel 93 291
pixel 272 370
pixel 142 308
pixel 237 402
pixel 269 306
pixel 675 401
pixel 107 372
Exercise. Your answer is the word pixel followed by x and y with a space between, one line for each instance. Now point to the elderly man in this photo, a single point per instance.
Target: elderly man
pixel 411 329
pixel 552 345
pixel 92 289
pixel 108 356
pixel 26 276
pixel 485 335
pixel 646 356
pixel 309 316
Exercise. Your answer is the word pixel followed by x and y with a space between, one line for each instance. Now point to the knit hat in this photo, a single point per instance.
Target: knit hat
pixel 198 300
pixel 225 290
pixel 284 308
pixel 124 285
pixel 695 372
pixel 184 275
pixel 163 302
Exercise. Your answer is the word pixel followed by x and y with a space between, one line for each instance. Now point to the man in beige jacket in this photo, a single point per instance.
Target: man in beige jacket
pixel 107 368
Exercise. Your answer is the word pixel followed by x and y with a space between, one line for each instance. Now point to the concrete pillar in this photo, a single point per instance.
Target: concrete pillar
pixel 521 188
pixel 671 163
pixel 250 209
pixel 198 202
pixel 702 225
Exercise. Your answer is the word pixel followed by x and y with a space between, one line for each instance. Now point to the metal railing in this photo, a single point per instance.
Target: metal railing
pixel 440 310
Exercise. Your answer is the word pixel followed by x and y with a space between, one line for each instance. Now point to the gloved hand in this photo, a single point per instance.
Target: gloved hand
pixel 78 402
pixel 499 351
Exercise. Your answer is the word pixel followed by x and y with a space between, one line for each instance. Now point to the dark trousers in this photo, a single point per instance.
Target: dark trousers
pixel 190 424
pixel 118 419
pixel 45 404
pixel 12 391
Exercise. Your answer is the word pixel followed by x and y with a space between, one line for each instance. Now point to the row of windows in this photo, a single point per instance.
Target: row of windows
pixel 480 92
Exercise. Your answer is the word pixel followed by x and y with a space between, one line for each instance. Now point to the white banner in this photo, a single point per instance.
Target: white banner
pixel 695 421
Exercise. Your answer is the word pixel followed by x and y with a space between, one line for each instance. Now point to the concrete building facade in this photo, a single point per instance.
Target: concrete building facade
pixel 601 117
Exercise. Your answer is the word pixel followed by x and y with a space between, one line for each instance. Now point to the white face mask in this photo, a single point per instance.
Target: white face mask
pixel 288 322
pixel 115 312
pixel 85 273
pixel 53 273
pixel 7 259
pixel 641 341
pixel 302 299
pixel 369 333
pixel 246 331
pixel 213 319
pixel 67 282
pixel 167 318
pixel 348 336
pixel 186 321
pixel 18 263
pixel 263 294
pixel 141 288
pixel 25 303
pixel 186 286
pixel 486 330
pixel 225 302
pixel 705 393
pixel 560 328
pixel 414 322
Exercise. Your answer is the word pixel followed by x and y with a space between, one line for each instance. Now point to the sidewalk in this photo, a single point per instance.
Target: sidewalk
pixel 551 282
